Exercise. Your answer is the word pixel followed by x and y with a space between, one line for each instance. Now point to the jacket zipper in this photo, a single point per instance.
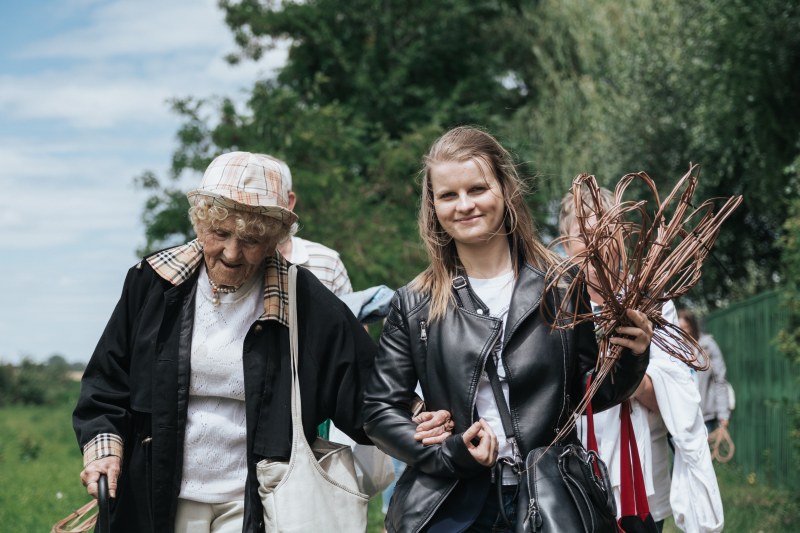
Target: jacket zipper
pixel 423 336
pixel 483 360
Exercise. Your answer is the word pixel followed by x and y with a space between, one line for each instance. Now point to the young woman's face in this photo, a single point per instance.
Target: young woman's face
pixel 468 201
pixel 231 260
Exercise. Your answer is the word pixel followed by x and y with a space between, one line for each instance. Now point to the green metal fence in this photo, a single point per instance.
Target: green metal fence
pixel 766 387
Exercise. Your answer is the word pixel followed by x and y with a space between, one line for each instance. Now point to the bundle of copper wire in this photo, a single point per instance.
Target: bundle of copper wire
pixel 636 258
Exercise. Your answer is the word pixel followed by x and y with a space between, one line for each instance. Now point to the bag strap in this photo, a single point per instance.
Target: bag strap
pixel 633 494
pixel 297 407
pixel 465 298
pixel 466 301
pixel 591 438
pixel 499 397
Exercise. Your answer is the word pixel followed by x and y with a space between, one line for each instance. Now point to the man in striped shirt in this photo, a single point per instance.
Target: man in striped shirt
pixel 322 261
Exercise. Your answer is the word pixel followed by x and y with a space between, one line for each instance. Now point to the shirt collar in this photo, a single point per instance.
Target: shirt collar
pixel 299 251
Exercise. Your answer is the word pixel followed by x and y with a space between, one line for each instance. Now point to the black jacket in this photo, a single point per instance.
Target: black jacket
pixel 136 382
pixel 546 371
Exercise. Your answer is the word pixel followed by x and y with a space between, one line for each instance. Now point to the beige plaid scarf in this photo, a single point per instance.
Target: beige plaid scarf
pixel 177 264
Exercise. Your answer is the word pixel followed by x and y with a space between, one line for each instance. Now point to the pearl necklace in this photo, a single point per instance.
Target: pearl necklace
pixel 216 290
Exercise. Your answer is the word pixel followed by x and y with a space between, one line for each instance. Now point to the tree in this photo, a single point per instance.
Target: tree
pixel 654 85
pixel 366 88
pixel 789 336
pixel 789 339
pixel 570 86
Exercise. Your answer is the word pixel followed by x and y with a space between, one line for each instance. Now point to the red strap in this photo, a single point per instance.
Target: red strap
pixel 633 494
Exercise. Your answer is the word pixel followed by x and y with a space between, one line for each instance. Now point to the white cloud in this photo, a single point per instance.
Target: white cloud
pixel 84 103
pixel 137 29
pixel 82 111
pixel 127 61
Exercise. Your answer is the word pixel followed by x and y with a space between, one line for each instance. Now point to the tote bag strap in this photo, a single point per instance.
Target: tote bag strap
pixel 297 407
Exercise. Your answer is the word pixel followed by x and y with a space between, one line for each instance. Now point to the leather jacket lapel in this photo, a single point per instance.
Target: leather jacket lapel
pixel 477 335
pixel 526 299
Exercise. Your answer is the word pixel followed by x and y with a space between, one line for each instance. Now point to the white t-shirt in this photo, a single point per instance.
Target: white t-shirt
pixel 496 294
pixel 651 437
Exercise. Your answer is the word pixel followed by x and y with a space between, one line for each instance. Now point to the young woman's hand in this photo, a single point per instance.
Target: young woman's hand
pixel 636 337
pixel 434 427
pixel 486 449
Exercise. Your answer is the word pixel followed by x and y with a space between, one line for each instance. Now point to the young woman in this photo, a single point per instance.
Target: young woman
pixel 712 383
pixel 480 297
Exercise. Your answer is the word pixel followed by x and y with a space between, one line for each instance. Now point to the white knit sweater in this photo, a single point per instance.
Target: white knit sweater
pixel 214 449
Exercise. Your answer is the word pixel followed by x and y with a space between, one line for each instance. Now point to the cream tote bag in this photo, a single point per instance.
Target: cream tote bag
pixel 317 490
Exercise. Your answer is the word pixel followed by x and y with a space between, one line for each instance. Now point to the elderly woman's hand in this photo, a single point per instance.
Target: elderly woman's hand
pixel 638 336
pixel 91 474
pixel 434 427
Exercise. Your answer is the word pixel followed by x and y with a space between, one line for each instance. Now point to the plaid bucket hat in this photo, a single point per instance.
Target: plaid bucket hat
pixel 247 182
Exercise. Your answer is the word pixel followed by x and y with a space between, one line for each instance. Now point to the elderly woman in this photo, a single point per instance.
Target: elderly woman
pixel 189 385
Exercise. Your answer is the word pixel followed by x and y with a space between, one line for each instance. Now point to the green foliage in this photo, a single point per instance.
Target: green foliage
pixel 30 448
pixel 366 89
pixel 165 214
pixel 398 64
pixel 651 86
pixel 36 384
pixel 789 339
pixel 570 86
pixel 6 384
pixel 39 466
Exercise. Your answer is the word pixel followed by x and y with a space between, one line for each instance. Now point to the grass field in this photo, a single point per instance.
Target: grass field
pixel 40 463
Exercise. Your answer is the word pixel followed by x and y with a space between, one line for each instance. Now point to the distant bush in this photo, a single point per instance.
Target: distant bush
pixel 36 383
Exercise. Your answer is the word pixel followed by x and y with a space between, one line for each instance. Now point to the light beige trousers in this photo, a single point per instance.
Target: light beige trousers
pixel 197 517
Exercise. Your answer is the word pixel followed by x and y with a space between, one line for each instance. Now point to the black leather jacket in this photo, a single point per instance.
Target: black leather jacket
pixel 546 371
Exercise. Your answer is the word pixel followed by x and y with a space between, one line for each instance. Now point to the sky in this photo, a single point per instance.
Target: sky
pixel 84 108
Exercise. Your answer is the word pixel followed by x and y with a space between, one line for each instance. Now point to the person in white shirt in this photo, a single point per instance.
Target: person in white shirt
pixel 665 403
pixel 485 279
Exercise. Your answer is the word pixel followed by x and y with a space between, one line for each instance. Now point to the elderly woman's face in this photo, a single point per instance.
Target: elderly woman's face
pixel 231 260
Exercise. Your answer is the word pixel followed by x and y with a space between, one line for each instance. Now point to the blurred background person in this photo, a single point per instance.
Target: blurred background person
pixel 322 261
pixel 712 383
pixel 666 402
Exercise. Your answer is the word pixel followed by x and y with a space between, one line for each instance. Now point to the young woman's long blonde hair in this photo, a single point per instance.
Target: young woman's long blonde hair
pixel 459 145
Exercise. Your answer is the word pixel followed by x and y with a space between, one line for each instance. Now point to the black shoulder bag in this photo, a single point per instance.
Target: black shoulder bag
pixel 562 487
